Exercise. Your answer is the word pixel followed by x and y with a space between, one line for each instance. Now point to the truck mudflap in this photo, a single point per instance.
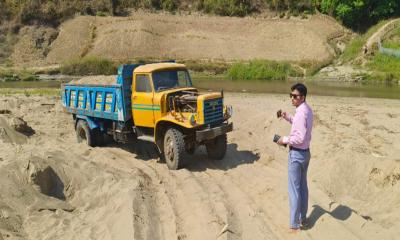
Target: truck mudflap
pixel 211 133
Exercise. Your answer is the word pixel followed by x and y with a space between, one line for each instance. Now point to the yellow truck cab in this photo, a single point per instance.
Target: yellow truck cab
pixel 154 102
pixel 170 112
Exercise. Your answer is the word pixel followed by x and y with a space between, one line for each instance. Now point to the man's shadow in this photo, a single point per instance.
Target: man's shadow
pixel 341 213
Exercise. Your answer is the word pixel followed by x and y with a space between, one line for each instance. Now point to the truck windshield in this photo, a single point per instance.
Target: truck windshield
pixel 168 79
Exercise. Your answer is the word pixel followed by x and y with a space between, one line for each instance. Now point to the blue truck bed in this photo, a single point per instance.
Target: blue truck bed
pixel 111 102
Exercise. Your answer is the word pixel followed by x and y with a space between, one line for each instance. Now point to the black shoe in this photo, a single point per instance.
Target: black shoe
pixel 304 224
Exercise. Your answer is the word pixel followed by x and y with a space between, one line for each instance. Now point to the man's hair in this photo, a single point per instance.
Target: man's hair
pixel 301 88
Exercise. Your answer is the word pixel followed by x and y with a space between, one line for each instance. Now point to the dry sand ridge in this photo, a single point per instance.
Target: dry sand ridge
pixel 186 37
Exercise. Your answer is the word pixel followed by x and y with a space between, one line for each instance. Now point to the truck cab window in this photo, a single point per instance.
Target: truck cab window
pixel 168 79
pixel 142 83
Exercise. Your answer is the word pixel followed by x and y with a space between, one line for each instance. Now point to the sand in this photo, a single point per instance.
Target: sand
pixel 54 188
pixel 96 80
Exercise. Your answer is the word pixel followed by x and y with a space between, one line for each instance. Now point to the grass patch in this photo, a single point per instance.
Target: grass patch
pixel 207 67
pixel 22 75
pixel 354 47
pixel 393 41
pixel 227 7
pixel 312 67
pixel 30 91
pixel 89 66
pixel 392 45
pixel 386 67
pixel 262 70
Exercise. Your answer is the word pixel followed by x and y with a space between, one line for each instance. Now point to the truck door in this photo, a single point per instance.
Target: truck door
pixel 142 101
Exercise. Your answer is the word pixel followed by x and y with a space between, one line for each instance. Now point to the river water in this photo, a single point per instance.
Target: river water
pixel 324 88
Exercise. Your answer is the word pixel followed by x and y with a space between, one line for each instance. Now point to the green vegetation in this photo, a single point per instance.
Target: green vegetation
pixel 22 75
pixel 89 65
pixel 261 69
pixel 354 47
pixel 216 68
pixel 226 7
pixel 359 14
pixel 356 14
pixel 312 67
pixel 393 41
pixel 386 67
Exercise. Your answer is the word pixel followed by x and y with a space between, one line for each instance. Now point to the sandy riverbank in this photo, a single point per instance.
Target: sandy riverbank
pixel 54 188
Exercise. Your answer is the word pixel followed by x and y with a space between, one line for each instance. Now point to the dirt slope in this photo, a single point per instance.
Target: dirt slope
pixel 55 188
pixel 161 36
pixel 380 33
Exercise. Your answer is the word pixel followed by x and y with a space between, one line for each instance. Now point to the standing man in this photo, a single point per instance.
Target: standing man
pixel 299 155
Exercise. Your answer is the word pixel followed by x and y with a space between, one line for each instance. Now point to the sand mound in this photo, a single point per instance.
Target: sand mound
pixel 19 125
pixel 8 134
pixel 188 37
pixel 96 80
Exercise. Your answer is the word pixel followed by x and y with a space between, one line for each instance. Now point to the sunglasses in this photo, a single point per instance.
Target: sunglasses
pixel 291 95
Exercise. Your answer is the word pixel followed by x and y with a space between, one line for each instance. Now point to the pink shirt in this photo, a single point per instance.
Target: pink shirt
pixel 300 135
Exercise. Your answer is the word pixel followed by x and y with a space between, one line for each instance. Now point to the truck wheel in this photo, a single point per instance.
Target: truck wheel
pixel 83 133
pixel 190 150
pixel 216 148
pixel 174 148
pixel 98 137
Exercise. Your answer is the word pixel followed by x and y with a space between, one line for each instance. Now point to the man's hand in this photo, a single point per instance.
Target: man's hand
pixel 284 115
pixel 280 142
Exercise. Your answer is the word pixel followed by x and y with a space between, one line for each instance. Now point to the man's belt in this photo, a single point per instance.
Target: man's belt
pixel 299 149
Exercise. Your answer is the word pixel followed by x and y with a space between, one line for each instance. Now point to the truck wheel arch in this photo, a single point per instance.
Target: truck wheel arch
pixel 160 129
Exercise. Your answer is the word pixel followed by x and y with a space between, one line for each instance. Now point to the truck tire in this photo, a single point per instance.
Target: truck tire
pixel 174 148
pixel 98 137
pixel 216 148
pixel 84 134
pixel 190 150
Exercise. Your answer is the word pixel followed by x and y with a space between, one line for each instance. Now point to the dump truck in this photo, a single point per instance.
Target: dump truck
pixel 152 102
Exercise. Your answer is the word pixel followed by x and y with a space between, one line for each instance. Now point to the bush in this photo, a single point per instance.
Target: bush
pixel 210 67
pixel 360 14
pixel 28 76
pixel 10 76
pixel 261 69
pixel 354 47
pixel 169 5
pixel 89 66
pixel 227 7
pixel 51 12
pixel 388 66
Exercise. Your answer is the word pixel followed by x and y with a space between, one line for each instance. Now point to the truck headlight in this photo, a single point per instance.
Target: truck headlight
pixel 229 111
pixel 192 119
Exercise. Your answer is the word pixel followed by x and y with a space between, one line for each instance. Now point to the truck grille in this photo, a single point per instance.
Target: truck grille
pixel 213 111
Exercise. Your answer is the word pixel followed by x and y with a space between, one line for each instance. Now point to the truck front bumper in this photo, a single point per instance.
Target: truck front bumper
pixel 211 133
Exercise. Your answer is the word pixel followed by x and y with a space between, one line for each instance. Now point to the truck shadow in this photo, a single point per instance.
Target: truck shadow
pixel 142 149
pixel 199 161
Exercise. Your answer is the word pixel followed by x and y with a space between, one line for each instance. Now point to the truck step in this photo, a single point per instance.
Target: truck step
pixel 147 138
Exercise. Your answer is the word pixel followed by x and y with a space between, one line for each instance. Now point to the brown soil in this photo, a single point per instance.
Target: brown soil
pixel 188 37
